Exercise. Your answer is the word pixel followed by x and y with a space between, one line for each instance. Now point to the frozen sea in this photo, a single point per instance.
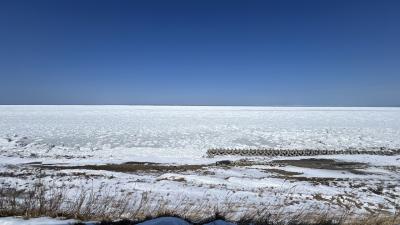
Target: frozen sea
pixel 188 131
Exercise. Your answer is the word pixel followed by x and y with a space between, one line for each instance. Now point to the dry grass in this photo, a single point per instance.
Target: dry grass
pixel 106 205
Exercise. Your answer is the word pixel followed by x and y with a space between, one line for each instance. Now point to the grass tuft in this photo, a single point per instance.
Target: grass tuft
pixel 131 208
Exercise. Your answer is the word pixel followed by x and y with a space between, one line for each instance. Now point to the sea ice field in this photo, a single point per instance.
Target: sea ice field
pixel 176 133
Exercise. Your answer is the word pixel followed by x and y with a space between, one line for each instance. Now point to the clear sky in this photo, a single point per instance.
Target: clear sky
pixel 200 52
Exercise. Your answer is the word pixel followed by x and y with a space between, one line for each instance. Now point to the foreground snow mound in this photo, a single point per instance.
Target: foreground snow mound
pixel 165 221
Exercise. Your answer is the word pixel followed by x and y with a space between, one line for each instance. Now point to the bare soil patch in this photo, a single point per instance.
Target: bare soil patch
pixel 130 167
pixel 327 164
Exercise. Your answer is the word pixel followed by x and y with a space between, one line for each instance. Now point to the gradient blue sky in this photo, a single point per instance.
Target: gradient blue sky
pixel 200 52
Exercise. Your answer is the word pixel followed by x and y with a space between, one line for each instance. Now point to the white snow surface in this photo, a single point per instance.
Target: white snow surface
pixel 182 134
pixel 65 135
pixel 35 221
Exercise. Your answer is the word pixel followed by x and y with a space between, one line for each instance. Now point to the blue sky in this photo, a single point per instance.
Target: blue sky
pixel 200 52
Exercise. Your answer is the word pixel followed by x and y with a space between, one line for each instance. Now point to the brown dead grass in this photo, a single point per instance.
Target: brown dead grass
pixel 104 204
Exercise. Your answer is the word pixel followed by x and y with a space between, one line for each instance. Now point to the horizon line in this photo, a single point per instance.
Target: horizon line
pixel 200 105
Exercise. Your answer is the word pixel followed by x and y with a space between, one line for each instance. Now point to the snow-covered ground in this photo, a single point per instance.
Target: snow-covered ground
pixel 35 221
pixel 57 139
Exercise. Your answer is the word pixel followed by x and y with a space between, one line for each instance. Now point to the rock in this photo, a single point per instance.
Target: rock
pixel 223 163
